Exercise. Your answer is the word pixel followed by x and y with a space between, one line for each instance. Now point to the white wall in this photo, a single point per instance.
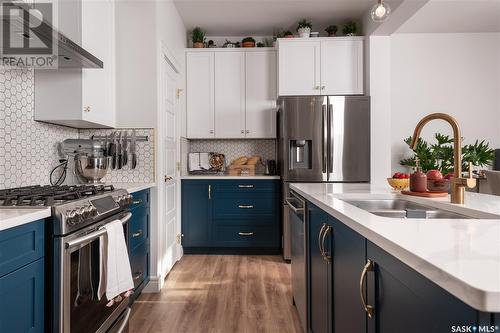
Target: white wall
pixel 457 74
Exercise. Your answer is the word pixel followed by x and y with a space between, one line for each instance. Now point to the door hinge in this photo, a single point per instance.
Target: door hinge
pixel 179 92
pixel 179 237
pixel 178 166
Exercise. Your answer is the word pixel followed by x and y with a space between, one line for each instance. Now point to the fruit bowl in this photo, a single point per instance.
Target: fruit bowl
pixel 399 184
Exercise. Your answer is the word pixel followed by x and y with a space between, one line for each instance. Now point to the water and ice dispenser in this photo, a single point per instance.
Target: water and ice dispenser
pixel 300 154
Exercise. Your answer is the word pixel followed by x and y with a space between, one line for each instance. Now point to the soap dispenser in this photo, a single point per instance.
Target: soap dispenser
pixel 418 180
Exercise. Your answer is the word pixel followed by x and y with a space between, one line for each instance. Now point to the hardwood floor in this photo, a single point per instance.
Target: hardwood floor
pixel 222 294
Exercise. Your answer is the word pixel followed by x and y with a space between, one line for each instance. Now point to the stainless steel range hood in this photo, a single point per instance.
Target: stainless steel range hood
pixel 69 53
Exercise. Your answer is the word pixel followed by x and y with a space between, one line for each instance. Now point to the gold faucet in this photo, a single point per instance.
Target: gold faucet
pixel 458 184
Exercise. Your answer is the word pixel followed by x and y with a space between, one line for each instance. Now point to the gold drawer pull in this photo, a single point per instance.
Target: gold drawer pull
pixel 137 234
pixel 137 202
pixel 245 186
pixel 369 267
pixel 245 206
pixel 245 233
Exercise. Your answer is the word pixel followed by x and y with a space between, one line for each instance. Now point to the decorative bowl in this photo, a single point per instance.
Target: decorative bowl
pixel 399 184
pixel 441 185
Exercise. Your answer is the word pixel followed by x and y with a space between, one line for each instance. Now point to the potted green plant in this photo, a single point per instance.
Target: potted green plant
pixel 350 28
pixel 439 155
pixel 248 42
pixel 331 30
pixel 304 28
pixel 198 36
pixel 260 44
pixel 288 34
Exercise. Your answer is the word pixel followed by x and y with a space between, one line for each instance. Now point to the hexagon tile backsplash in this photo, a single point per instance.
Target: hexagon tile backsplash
pixel 28 149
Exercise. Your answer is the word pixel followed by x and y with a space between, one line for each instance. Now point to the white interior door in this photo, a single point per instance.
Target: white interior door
pixel 170 188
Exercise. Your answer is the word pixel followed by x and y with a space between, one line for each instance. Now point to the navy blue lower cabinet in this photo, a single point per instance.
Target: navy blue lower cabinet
pixel 406 301
pixel 22 299
pixel 230 216
pixel 348 255
pixel 320 276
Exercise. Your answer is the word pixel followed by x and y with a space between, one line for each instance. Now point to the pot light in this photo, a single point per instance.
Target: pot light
pixel 381 11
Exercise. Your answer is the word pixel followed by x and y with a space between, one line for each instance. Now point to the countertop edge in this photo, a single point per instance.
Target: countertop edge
pixel 481 300
pixel 28 215
pixel 133 187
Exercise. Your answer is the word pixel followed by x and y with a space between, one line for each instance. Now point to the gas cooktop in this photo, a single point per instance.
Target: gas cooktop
pixel 47 195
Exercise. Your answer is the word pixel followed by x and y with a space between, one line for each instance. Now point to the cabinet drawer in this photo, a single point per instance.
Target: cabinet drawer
pixel 22 299
pixel 245 236
pixel 138 228
pixel 246 186
pixel 140 198
pixel 139 259
pixel 21 245
pixel 238 205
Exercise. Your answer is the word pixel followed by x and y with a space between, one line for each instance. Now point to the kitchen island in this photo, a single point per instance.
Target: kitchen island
pixel 459 257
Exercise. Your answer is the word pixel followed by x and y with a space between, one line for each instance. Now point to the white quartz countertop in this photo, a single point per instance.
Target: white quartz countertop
pixel 13 217
pixel 224 176
pixel 460 255
pixel 132 187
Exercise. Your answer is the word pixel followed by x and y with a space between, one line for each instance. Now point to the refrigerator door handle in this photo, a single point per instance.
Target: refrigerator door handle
pixel 330 138
pixel 324 138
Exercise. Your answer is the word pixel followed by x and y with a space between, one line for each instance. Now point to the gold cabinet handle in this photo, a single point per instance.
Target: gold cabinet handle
pixel 325 255
pixel 209 192
pixel 320 235
pixel 137 202
pixel 369 267
pixel 137 275
pixel 245 233
pixel 137 234
pixel 245 186
pixel 246 206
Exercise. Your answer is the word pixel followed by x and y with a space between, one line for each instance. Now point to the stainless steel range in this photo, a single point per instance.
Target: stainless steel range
pixel 73 236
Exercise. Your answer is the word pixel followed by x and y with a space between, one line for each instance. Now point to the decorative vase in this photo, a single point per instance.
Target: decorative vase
pixel 304 32
pixel 289 36
pixel 198 45
pixel 333 34
pixel 248 44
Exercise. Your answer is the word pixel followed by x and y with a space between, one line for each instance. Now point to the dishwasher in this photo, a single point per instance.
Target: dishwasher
pixel 298 222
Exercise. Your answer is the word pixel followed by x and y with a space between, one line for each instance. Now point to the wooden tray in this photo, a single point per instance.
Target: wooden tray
pixel 426 194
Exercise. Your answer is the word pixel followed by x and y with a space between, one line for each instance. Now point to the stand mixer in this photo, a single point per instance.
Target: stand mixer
pixel 91 162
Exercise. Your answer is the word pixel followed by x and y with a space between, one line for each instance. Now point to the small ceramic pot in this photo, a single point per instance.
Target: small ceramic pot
pixel 198 45
pixel 289 36
pixel 248 44
pixel 304 32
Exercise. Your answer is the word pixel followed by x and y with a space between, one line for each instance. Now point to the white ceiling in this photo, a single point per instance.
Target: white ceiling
pixel 261 18
pixel 455 16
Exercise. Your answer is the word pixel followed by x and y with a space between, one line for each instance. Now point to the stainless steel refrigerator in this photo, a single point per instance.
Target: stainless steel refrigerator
pixel 321 139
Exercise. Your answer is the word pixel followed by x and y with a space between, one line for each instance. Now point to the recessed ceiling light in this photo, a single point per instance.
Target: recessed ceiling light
pixel 381 11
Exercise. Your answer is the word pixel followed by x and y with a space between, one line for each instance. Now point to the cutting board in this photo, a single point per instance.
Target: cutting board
pixel 426 194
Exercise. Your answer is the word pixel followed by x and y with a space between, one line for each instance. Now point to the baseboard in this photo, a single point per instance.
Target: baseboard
pixel 233 250
pixel 154 285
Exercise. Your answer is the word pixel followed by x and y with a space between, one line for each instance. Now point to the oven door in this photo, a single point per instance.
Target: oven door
pixel 79 309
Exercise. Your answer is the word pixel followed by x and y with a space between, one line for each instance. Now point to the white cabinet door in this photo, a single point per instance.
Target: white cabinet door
pixel 200 94
pixel 229 94
pixel 342 67
pixel 299 67
pixel 260 85
pixel 98 85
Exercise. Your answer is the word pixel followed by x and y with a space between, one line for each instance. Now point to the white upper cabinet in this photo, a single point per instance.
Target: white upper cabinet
pixel 82 98
pixel 229 94
pixel 341 67
pixel 320 66
pixel 200 94
pixel 261 94
pixel 299 67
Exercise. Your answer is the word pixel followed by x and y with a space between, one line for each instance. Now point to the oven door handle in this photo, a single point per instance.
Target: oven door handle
pixel 93 235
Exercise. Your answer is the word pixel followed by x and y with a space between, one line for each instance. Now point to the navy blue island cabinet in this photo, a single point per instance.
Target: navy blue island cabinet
pixel 22 278
pixel 355 286
pixel 230 216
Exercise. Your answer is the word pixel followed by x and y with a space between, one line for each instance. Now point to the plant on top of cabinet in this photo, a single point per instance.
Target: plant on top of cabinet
pixel 304 28
pixel 198 36
pixel 332 30
pixel 288 34
pixel 248 42
pixel 350 28
pixel 260 44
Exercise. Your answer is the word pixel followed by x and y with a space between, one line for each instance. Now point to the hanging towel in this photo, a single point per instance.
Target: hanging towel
pixel 103 262
pixel 118 274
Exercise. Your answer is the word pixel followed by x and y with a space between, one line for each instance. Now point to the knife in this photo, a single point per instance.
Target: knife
pixel 119 151
pixel 124 148
pixel 105 147
pixel 132 150
pixel 112 150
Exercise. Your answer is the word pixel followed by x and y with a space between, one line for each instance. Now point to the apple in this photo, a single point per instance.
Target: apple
pixel 434 175
pixel 448 176
pixel 400 175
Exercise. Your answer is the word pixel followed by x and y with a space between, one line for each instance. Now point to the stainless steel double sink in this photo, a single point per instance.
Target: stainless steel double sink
pixel 404 209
